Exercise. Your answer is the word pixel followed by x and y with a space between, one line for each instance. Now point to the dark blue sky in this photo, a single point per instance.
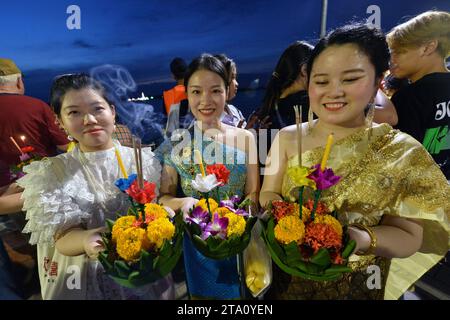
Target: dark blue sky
pixel 143 36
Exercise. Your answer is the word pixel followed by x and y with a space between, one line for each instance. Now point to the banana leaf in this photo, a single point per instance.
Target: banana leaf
pixel 150 266
pixel 289 259
pixel 220 249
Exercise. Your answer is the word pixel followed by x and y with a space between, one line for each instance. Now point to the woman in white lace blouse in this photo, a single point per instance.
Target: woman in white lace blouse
pixel 68 197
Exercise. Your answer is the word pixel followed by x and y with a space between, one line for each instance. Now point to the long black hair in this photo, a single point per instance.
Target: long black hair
pixel 286 72
pixel 207 62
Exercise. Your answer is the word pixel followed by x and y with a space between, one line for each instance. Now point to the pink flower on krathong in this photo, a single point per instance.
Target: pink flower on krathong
pixel 324 179
pixel 198 216
pixel 217 227
pixel 24 157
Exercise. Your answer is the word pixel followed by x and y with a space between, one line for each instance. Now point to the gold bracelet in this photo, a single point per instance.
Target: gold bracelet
pixel 373 239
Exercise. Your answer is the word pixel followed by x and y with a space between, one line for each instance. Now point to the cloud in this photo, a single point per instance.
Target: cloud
pixel 83 44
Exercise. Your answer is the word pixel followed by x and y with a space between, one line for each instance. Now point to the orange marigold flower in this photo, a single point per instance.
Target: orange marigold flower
pixel 281 209
pixel 121 225
pixel 330 220
pixel 288 229
pixel 321 207
pixel 320 235
pixel 154 211
pixel 130 243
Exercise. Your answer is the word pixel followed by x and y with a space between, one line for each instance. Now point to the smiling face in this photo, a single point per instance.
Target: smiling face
pixel 87 117
pixel 207 96
pixel 342 83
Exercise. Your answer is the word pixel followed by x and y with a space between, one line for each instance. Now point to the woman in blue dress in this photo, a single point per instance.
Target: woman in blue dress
pixel 207 88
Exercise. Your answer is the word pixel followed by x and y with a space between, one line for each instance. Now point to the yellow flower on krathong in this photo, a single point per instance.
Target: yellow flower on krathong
pixel 305 213
pixel 222 211
pixel 299 176
pixel 121 225
pixel 288 229
pixel 159 230
pixel 212 204
pixel 154 211
pixel 236 224
pixel 330 220
pixel 130 243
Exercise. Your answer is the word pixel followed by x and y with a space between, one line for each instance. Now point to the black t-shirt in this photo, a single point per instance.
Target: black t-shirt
pixel 423 109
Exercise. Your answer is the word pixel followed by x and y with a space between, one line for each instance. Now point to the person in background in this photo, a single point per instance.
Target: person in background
pixel 287 87
pixel 419 48
pixel 29 121
pixel 391 84
pixel 24 121
pixel 178 92
pixel 231 115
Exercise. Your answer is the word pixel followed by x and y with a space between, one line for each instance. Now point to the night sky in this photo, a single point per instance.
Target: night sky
pixel 143 36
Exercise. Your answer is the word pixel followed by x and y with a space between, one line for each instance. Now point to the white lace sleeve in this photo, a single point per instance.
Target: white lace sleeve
pixel 151 168
pixel 49 208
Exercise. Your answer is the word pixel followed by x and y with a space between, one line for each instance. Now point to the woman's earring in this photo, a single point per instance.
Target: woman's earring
pixel 69 137
pixel 310 119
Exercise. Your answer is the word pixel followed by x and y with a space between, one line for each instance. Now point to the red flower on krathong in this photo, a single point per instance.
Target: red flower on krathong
pixel 324 179
pixel 321 207
pixel 321 235
pixel 27 149
pixel 281 208
pixel 220 171
pixel 144 195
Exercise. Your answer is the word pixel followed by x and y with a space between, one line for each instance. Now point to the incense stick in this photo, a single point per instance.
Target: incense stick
pixel 298 121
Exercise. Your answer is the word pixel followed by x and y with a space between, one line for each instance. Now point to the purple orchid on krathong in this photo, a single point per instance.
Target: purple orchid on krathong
pixel 324 179
pixel 217 227
pixel 199 216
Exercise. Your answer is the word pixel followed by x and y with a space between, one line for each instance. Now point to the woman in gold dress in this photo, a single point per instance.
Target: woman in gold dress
pixel 392 195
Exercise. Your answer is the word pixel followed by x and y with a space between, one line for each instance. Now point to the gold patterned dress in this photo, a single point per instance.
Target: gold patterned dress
pixel 390 173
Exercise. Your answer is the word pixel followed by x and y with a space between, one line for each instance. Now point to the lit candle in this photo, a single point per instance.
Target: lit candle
pixel 326 153
pixel 22 138
pixel 298 121
pixel 15 143
pixel 121 166
pixel 198 157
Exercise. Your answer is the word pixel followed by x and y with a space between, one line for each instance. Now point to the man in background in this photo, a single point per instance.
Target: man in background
pixel 178 93
pixel 29 121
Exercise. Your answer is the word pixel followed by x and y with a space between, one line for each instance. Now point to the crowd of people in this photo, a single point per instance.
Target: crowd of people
pixel 385 98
